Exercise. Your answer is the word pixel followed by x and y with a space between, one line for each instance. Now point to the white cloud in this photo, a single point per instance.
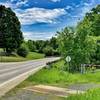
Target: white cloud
pixel 83 8
pixel 38 15
pixel 38 35
pixel 7 4
pixel 55 0
pixel 16 5
pixel 21 2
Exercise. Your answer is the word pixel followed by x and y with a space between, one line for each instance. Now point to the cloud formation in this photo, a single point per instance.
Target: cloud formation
pixel 16 5
pixel 39 15
pixel 39 12
pixel 38 35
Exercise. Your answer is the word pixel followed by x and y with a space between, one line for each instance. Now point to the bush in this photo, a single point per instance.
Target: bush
pixel 22 51
pixel 56 53
pixel 48 51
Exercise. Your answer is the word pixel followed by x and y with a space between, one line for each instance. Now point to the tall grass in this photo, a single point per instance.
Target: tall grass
pixel 89 95
pixel 62 78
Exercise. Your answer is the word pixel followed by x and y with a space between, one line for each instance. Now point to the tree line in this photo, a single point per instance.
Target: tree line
pixel 11 37
pixel 48 47
pixel 81 43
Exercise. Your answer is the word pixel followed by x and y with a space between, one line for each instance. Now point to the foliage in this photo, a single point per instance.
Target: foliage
pixel 53 43
pixel 22 51
pixel 66 40
pixel 31 45
pixel 43 46
pixel 78 46
pixel 10 30
pixel 81 44
pixel 93 19
pixel 48 51
pixel 90 27
pixel 40 44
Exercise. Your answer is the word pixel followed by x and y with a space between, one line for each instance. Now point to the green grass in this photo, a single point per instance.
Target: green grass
pixel 34 55
pixel 89 95
pixel 58 77
pixel 62 78
pixel 11 59
pixel 30 56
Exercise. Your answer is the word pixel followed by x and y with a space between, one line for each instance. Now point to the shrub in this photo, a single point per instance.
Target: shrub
pixel 56 53
pixel 22 51
pixel 48 51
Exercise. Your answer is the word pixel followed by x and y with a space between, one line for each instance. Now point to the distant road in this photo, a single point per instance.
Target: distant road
pixel 11 74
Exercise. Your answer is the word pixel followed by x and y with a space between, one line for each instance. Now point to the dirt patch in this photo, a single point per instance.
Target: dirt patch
pixel 63 92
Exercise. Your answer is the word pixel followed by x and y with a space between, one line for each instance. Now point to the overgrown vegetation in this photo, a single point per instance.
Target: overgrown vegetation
pixel 82 44
pixel 55 75
pixel 48 47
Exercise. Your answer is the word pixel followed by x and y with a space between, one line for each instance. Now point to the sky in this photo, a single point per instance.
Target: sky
pixel 41 19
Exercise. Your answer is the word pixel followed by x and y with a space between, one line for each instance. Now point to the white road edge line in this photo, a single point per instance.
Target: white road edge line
pixel 8 85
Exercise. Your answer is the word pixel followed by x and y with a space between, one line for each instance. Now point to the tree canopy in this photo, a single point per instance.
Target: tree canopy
pixel 10 30
pixel 82 44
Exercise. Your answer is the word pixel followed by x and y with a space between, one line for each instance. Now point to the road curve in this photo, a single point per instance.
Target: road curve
pixel 11 74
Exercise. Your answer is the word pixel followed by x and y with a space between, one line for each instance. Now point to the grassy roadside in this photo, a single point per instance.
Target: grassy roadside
pixel 89 95
pixel 30 56
pixel 57 77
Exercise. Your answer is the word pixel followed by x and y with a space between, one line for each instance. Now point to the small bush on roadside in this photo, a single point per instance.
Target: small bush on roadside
pixel 48 51
pixel 22 51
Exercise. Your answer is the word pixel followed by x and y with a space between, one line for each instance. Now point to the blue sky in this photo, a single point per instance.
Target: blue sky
pixel 40 19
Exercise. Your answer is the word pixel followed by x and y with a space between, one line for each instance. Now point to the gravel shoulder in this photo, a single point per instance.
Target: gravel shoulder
pixel 42 92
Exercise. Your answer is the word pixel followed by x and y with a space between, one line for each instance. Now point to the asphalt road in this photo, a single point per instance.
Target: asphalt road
pixel 10 70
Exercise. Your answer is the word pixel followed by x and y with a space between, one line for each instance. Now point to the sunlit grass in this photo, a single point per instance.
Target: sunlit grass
pixel 34 55
pixel 89 95
pixel 16 58
pixel 56 76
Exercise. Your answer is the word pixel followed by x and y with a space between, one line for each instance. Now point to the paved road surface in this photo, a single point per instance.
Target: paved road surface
pixel 9 71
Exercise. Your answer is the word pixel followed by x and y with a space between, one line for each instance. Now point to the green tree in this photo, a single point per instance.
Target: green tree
pixel 65 41
pixel 22 51
pixel 10 30
pixel 48 51
pixel 93 18
pixel 79 45
pixel 91 26
pixel 31 45
pixel 53 43
pixel 40 44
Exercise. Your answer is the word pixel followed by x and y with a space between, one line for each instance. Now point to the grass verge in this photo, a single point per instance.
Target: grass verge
pixel 30 56
pixel 57 77
pixel 89 95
